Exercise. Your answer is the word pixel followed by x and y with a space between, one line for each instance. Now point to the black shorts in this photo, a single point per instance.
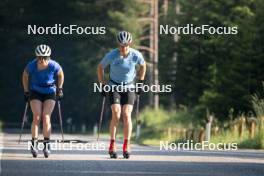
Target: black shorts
pixel 122 98
pixel 42 97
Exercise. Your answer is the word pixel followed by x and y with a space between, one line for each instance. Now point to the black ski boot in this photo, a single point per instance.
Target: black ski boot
pixel 112 150
pixel 113 154
pixel 34 148
pixel 34 152
pixel 46 153
pixel 46 150
pixel 126 154
pixel 126 149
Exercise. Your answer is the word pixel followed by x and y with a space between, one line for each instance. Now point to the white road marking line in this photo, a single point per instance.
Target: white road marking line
pixel 123 172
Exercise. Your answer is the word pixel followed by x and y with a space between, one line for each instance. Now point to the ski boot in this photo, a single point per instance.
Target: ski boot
pixel 34 148
pixel 112 150
pixel 126 154
pixel 126 149
pixel 46 150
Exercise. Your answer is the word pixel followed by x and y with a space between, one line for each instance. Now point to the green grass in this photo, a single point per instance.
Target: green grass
pixel 227 137
pixel 156 122
pixel 255 143
pixel 243 142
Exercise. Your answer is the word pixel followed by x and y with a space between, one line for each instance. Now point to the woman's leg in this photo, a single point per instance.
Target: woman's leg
pixel 48 106
pixel 36 107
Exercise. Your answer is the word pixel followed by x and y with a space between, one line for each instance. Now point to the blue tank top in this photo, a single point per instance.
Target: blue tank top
pixel 43 81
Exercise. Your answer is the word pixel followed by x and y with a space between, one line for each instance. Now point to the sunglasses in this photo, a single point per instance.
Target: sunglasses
pixel 43 58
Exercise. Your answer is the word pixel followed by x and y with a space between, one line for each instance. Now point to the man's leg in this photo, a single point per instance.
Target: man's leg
pixel 116 114
pixel 127 100
pixel 126 114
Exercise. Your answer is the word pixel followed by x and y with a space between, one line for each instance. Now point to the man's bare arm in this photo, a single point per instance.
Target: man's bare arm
pixel 142 71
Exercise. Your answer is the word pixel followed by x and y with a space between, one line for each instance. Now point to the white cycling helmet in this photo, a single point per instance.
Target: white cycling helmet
pixel 124 38
pixel 43 50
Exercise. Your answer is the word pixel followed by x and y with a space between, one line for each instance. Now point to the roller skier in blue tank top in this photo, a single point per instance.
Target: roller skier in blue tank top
pixel 122 61
pixel 40 90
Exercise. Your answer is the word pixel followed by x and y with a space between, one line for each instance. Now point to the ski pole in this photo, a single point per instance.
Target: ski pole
pixel 59 108
pixel 101 119
pixel 23 122
pixel 137 118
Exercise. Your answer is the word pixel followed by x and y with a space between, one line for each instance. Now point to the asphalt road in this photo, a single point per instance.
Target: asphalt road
pixel 90 158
